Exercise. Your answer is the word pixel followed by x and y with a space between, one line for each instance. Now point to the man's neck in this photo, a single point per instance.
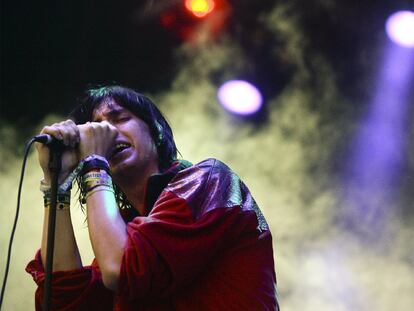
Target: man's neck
pixel 135 186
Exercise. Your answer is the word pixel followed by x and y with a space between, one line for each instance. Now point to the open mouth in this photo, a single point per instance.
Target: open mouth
pixel 119 147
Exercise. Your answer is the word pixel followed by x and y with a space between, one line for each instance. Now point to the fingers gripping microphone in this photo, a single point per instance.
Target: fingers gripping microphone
pixel 45 139
pixel 48 140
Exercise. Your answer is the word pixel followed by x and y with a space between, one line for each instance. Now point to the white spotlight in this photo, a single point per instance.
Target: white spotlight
pixel 240 97
pixel 400 28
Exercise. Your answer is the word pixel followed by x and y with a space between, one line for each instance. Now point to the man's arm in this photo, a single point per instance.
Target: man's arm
pixel 108 235
pixel 66 254
pixel 74 286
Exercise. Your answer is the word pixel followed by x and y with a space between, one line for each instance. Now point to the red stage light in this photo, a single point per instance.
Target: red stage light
pixel 200 8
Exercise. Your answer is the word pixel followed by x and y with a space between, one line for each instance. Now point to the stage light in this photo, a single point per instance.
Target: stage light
pixel 240 97
pixel 200 8
pixel 400 28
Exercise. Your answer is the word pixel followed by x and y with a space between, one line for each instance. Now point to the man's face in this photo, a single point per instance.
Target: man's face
pixel 134 151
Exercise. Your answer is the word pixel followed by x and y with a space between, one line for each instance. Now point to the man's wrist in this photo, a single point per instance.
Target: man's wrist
pixel 46 180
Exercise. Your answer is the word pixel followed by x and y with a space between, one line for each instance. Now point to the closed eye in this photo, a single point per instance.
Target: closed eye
pixel 123 119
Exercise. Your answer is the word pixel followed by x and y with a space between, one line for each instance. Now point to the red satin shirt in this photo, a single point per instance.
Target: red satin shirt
pixel 203 245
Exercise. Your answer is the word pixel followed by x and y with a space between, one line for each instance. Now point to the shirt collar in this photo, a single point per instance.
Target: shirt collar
pixel 157 182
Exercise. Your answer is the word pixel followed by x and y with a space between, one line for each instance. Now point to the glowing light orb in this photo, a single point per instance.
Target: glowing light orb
pixel 240 97
pixel 200 8
pixel 400 28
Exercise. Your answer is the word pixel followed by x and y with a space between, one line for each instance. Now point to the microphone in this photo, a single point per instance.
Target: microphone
pixel 48 140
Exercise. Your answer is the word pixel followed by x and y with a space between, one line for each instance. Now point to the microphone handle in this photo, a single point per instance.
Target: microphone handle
pixel 47 140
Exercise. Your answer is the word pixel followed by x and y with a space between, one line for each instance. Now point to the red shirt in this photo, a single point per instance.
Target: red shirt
pixel 204 245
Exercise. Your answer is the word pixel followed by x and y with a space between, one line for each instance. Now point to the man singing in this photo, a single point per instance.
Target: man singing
pixel 166 234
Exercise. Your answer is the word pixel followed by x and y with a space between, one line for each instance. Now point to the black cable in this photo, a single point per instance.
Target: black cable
pixel 26 152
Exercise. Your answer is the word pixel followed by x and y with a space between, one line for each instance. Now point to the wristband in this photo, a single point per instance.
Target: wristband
pixel 62 200
pixel 97 189
pixel 59 206
pixel 94 162
pixel 93 180
pixel 95 172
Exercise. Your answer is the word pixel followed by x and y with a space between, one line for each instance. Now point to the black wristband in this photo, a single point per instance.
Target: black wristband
pixel 93 162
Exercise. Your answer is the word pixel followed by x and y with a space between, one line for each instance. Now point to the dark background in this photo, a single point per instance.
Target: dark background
pixel 51 51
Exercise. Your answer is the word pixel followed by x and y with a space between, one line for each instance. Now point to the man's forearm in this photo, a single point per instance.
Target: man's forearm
pixel 66 254
pixel 108 235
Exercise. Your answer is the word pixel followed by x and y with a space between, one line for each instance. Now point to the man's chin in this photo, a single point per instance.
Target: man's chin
pixel 120 169
pixel 117 168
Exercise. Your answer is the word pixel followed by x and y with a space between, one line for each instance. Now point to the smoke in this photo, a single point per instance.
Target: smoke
pixel 289 165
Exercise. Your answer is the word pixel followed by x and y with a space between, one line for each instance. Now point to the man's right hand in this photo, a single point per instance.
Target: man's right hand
pixel 68 132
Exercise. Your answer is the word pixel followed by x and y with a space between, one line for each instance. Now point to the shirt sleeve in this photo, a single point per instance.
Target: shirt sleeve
pixel 79 289
pixel 201 213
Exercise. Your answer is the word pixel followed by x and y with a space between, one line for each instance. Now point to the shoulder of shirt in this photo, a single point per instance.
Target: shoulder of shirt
pixel 194 181
pixel 208 183
pixel 207 166
pixel 211 184
pixel 201 174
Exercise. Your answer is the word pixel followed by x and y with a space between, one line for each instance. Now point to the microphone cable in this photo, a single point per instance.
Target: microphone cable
pixel 26 152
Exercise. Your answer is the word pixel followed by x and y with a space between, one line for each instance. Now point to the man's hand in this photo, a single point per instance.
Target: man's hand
pixel 97 138
pixel 79 141
pixel 68 133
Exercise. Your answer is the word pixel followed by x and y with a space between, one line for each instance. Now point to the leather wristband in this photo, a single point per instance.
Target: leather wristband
pixel 62 200
pixel 94 162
